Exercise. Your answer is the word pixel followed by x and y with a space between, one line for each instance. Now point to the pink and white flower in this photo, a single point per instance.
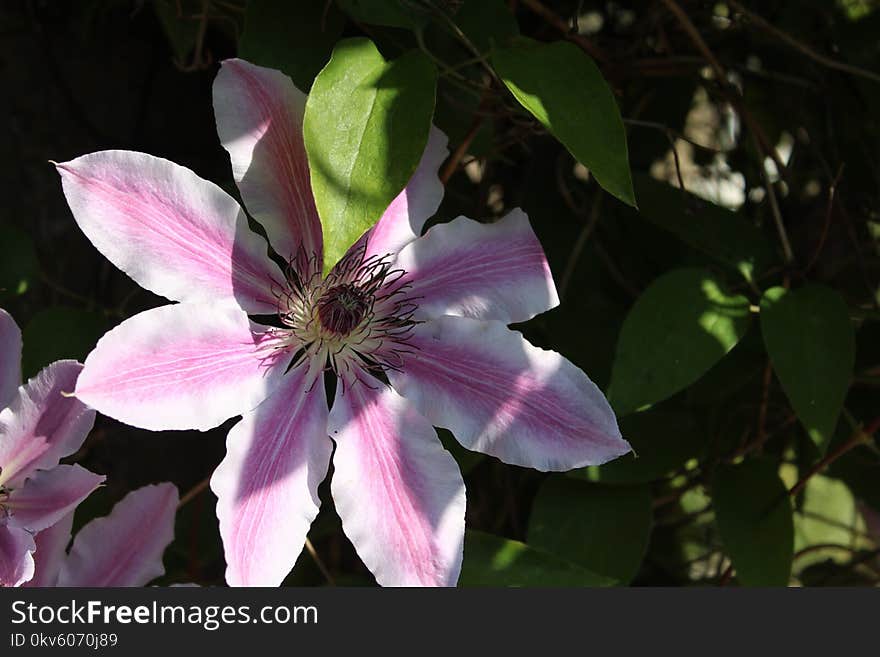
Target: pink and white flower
pixel 38 427
pixel 124 548
pixel 427 315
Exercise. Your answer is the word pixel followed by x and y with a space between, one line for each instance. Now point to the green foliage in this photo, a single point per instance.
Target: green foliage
pixel 662 441
pixel 754 518
pixel 487 23
pixel 727 237
pixel 294 37
pixel 391 13
pixel 57 333
pixel 494 561
pixel 366 126
pixel 678 328
pixel 810 340
pixel 574 103
pixel 602 528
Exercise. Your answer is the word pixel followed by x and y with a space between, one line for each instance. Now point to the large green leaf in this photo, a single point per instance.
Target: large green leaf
pixel 602 528
pixel 678 328
pixel 563 88
pixel 754 518
pixel 495 561
pixel 366 125
pixel 661 440
pixel 59 332
pixel 18 262
pixel 811 344
pixel 728 237
pixel 294 37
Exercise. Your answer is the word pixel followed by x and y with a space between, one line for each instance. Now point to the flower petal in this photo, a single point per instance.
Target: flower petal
pixel 49 495
pixel 485 271
pixel 126 547
pixel 501 396
pixel 399 494
pixel 10 358
pixel 404 219
pixel 41 426
pixel 259 115
pixel 185 366
pixel 267 486
pixel 174 233
pixel 16 555
pixel 51 551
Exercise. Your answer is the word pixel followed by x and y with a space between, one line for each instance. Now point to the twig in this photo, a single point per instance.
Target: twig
pixel 319 563
pixel 556 21
pixel 801 47
pixel 829 207
pixel 194 492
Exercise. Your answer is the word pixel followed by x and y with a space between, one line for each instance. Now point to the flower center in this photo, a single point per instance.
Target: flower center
pixel 359 317
pixel 342 308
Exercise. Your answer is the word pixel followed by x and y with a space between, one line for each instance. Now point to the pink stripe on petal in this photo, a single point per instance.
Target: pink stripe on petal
pixel 16 555
pixel 124 548
pixel 404 219
pixel 174 233
pixel 49 495
pixel 485 271
pixel 51 544
pixel 267 486
pixel 501 396
pixel 10 358
pixel 186 366
pixel 259 115
pixel 42 425
pixel 399 494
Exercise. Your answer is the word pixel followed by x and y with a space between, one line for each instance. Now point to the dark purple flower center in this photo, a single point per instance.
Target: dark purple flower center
pixel 342 308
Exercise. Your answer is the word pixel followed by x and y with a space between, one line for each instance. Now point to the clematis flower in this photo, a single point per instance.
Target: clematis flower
pixel 413 327
pixel 122 549
pixel 38 427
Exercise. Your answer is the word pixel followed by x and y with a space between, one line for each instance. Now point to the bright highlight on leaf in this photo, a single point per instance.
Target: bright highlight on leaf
pixel 563 88
pixel 811 343
pixel 678 328
pixel 366 126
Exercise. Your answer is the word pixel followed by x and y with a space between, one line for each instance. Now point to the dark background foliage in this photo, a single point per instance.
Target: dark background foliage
pixel 711 93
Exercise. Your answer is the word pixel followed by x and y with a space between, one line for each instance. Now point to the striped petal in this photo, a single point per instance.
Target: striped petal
pixel 49 495
pixel 405 218
pixel 126 547
pixel 501 396
pixel 51 551
pixel 267 486
pixel 485 271
pixel 42 425
pixel 10 358
pixel 16 555
pixel 174 233
pixel 259 115
pixel 184 366
pixel 399 494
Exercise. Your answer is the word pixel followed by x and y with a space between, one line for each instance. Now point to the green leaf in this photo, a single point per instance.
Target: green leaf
pixel 391 13
pixel 366 125
pixel 811 344
pixel 728 237
pixel 828 515
pixel 294 37
pixel 662 441
pixel 563 88
pixel 754 518
pixel 19 267
pixel 494 561
pixel 602 528
pixel 466 459
pixel 57 333
pixel 676 330
pixel 486 23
